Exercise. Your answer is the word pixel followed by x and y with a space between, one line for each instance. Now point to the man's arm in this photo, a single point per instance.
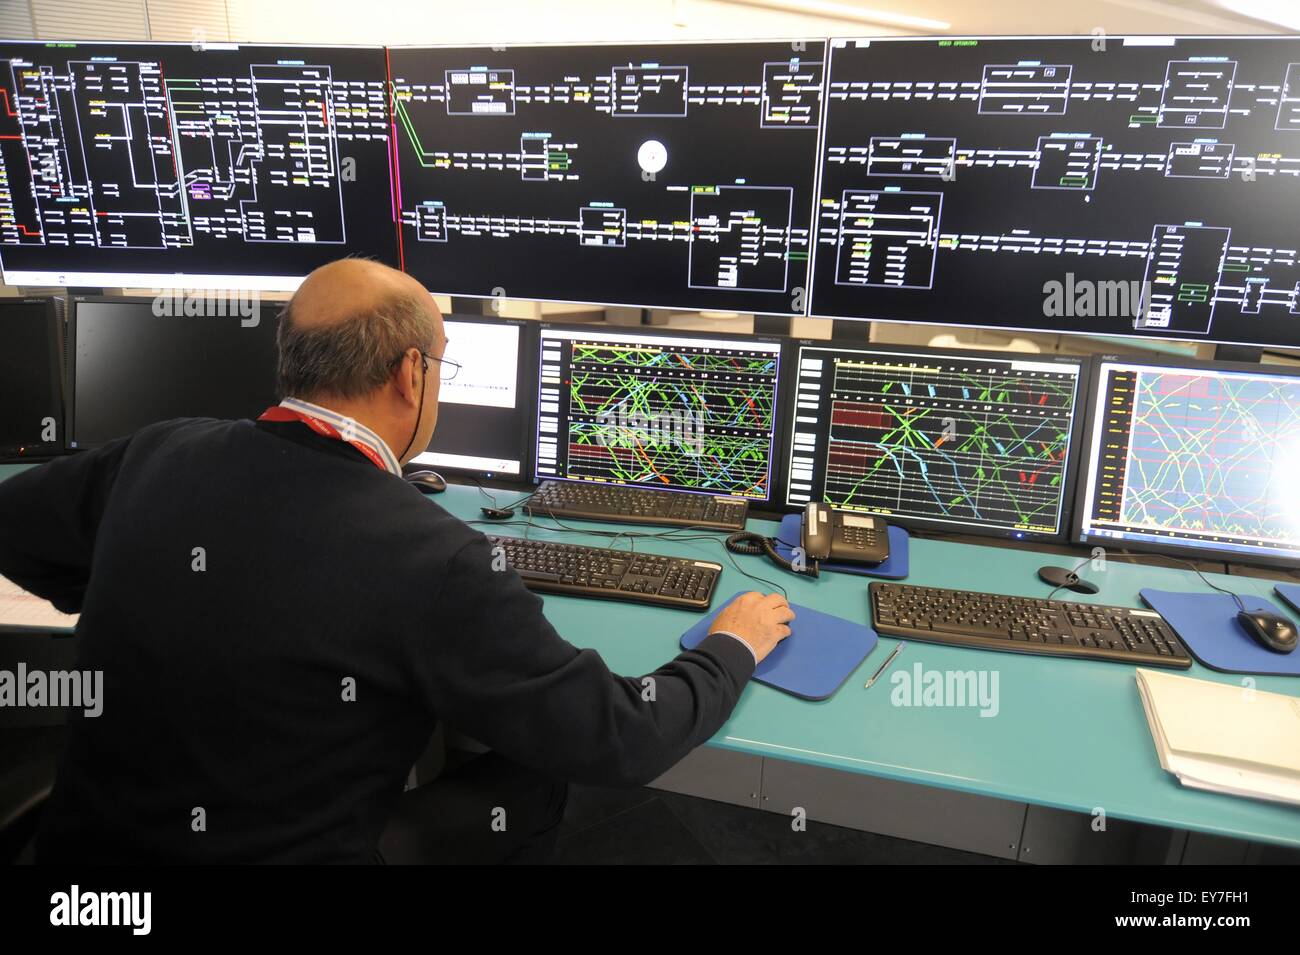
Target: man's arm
pixel 498 671
pixel 49 516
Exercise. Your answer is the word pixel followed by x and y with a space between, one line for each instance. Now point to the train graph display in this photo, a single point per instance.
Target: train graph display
pixel 665 411
pixel 1195 458
pixel 973 442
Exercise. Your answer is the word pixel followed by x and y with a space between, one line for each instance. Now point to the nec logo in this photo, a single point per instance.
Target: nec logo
pixel 102 908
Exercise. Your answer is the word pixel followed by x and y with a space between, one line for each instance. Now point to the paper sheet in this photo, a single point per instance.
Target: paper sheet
pixel 20 610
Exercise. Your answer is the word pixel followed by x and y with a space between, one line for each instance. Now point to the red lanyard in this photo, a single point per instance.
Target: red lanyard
pixel 280 413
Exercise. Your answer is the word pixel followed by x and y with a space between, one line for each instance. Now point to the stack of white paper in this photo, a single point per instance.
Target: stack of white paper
pixel 1224 737
pixel 22 611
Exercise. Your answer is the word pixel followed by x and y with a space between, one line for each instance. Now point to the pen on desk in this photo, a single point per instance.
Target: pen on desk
pixel 884 666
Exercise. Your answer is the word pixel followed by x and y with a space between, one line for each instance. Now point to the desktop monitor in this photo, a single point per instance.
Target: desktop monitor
pixel 1196 458
pixel 130 366
pixel 967 442
pixel 485 413
pixel 166 165
pixel 668 410
pixel 31 377
pixel 664 175
pixel 1140 186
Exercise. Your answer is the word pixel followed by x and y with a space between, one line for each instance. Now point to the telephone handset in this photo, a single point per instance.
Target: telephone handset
pixel 842 536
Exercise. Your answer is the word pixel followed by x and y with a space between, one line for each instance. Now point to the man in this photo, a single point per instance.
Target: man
pixel 281 621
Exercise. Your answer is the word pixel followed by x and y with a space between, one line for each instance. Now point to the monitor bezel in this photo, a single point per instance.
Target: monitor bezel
pixel 779 422
pixel 1069 472
pixel 1175 549
pixel 56 336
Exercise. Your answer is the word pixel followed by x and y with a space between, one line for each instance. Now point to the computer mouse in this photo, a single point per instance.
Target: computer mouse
pixel 429 482
pixel 1269 630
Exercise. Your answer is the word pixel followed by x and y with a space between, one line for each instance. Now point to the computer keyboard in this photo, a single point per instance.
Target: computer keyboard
pixel 968 618
pixel 580 571
pixel 637 505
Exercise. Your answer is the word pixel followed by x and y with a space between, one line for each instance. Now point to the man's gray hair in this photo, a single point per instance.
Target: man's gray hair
pixel 354 356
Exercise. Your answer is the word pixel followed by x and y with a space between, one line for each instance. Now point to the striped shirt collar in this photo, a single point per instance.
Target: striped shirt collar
pixel 351 429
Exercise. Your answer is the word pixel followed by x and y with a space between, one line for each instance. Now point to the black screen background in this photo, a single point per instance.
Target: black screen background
pixel 30 389
pixel 132 368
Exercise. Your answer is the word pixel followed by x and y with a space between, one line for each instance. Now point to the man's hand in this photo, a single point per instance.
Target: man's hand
pixel 758 619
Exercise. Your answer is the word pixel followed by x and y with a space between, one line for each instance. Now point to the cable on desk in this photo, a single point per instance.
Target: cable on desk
pixel 1209 583
pixel 1074 572
pixel 484 492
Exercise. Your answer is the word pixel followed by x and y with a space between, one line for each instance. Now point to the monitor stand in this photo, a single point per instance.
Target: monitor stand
pixel 1247 353
pixel 772 324
pixel 460 305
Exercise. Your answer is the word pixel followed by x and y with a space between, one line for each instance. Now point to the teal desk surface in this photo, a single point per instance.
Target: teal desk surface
pixel 1069 734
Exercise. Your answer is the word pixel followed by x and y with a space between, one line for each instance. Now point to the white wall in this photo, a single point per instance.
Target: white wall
pixel 510 21
pixel 522 21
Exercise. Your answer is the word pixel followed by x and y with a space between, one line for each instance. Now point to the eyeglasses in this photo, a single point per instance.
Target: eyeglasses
pixel 449 367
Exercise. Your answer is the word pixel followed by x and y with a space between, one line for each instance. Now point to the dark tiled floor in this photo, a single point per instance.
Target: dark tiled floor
pixel 650 827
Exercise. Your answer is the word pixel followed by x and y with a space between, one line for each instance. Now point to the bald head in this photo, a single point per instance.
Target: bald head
pixel 349 288
pixel 348 324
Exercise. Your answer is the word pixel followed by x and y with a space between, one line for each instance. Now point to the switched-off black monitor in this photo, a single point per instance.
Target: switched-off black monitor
pixel 31 378
pixel 130 366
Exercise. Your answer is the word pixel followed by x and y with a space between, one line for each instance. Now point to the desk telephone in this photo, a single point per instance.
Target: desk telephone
pixel 825 535
pixel 842 536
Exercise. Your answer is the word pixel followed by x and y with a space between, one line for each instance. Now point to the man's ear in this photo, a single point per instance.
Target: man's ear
pixel 407 378
pixel 417 369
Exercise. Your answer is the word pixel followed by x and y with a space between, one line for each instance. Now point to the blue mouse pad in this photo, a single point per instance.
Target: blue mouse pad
pixel 894 567
pixel 814 661
pixel 1207 624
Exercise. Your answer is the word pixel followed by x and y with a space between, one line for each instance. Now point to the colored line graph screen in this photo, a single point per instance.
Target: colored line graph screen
pixel 970 441
pixel 664 411
pixel 1192 458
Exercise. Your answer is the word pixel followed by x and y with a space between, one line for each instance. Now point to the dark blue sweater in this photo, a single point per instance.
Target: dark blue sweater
pixel 226 670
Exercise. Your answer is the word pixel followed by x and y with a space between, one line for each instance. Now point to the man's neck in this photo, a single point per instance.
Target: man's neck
pixel 365 415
